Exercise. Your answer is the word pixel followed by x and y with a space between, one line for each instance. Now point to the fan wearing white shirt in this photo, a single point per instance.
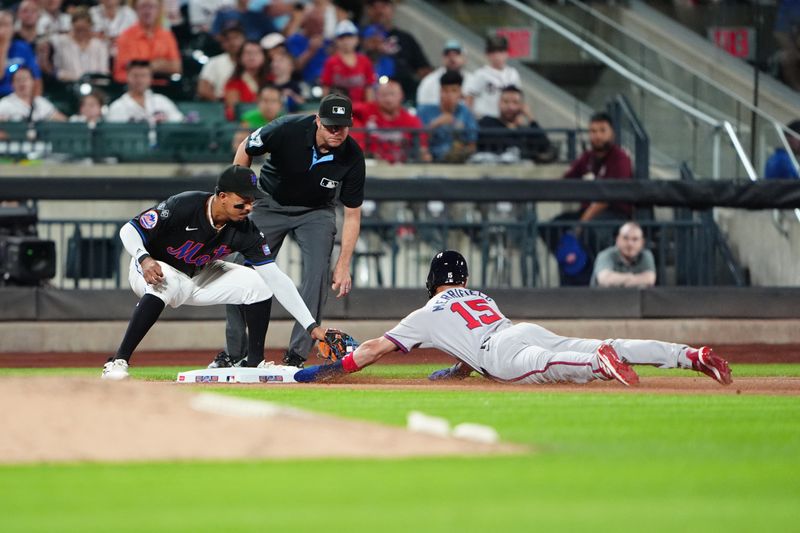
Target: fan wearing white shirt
pixel 109 18
pixel 140 104
pixel 52 19
pixel 23 106
pixel 216 73
pixel 452 59
pixel 482 90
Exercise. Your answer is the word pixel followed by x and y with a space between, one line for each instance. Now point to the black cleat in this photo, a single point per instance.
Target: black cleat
pixel 292 359
pixel 222 360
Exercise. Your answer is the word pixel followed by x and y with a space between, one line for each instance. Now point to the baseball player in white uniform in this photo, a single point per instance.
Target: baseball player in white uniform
pixel 468 325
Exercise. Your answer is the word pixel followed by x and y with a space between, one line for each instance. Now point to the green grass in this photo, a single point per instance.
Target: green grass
pixel 599 462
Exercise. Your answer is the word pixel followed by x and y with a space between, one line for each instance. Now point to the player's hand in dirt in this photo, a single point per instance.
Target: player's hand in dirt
pixel 457 371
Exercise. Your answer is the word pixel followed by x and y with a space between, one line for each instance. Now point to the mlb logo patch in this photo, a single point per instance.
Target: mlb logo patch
pixel 338 110
pixel 265 249
pixel 149 219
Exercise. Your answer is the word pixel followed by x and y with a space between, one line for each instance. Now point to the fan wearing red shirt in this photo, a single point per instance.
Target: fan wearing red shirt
pixel 347 71
pixel 383 121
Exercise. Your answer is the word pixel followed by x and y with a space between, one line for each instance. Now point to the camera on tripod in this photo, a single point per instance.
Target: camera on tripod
pixel 25 259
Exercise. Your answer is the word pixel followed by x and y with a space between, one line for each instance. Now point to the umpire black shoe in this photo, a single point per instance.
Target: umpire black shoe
pixel 292 359
pixel 222 360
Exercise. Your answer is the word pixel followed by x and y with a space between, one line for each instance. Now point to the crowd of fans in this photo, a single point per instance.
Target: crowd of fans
pixel 262 59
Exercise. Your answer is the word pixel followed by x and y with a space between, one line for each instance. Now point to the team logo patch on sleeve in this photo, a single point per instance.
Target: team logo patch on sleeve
pixel 265 249
pixel 255 139
pixel 149 219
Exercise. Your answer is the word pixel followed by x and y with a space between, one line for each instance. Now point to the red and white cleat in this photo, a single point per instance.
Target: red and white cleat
pixel 704 360
pixel 614 367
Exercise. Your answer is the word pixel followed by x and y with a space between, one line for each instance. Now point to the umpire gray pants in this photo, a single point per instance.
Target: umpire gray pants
pixel 314 231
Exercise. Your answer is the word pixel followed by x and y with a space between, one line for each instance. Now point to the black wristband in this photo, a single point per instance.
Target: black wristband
pixel 142 258
pixel 310 328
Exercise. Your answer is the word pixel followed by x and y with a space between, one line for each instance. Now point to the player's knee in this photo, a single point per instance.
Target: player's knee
pixel 255 290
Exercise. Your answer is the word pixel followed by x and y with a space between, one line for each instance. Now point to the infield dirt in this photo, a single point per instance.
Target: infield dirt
pixel 50 419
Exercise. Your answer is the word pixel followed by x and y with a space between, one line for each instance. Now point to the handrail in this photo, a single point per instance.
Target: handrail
pixel 587 47
pixel 683 65
pixel 613 64
pixel 748 166
pixel 621 105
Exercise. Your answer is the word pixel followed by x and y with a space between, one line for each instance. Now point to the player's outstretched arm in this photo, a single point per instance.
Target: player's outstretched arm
pixel 284 290
pixel 366 354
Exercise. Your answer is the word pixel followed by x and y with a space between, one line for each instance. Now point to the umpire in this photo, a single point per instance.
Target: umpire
pixel 310 159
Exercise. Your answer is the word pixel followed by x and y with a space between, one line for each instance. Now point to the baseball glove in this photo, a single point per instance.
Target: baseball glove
pixel 336 345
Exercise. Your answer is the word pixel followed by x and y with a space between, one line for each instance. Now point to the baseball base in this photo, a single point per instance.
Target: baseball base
pixel 271 374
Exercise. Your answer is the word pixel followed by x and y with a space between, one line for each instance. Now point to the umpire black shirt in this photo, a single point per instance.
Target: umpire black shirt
pixel 296 173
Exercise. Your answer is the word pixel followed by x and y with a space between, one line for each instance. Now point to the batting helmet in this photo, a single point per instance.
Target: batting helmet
pixel 447 268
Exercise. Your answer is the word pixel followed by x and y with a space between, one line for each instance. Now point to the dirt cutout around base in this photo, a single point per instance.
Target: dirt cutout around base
pixel 52 419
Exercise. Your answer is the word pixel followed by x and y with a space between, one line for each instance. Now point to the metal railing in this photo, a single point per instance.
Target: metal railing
pixel 504 243
pixel 631 134
pixel 215 142
pixel 679 77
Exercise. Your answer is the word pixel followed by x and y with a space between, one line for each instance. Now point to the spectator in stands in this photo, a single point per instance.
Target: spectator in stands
pixel 374 45
pixel 77 53
pixel 249 75
pixel 52 19
pixel 23 105
pixel 219 69
pixel 347 71
pixel 452 59
pixel 270 107
pixel 281 12
pixel 382 119
pixel 27 22
pixel 140 104
pixel 203 12
pixel 14 54
pixel 91 109
pixel 281 70
pixel 256 24
pixel 483 91
pixel 626 264
pixel 787 33
pixel 780 165
pixel 147 41
pixel 411 65
pixel 605 160
pixel 531 144
pixel 308 47
pixel 453 128
pixel 274 44
pixel 110 18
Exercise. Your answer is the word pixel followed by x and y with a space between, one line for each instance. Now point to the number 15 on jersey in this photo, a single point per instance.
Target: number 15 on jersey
pixel 479 313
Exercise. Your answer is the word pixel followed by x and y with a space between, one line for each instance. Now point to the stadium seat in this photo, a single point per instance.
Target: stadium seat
pixel 123 141
pixel 186 142
pixel 72 138
pixel 208 113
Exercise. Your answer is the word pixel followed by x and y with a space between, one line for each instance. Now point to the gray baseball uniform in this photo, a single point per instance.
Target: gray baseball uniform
pixel 468 325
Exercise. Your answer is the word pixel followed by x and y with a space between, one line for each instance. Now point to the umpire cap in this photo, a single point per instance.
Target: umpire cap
pixel 336 110
pixel 240 180
pixel 447 268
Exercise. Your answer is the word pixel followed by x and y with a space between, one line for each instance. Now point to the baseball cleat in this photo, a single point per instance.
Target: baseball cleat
pixel 115 370
pixel 704 360
pixel 614 367
pixel 222 360
pixel 292 359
